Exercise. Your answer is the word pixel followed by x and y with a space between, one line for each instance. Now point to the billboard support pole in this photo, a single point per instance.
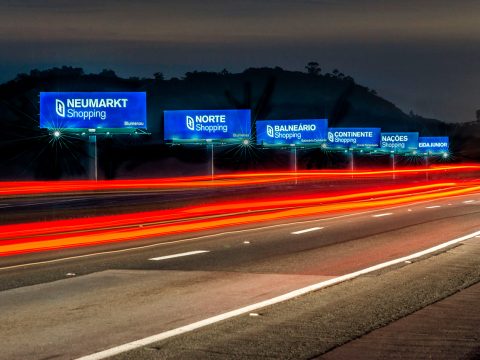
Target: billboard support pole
pixel 92 147
pixel 211 160
pixel 393 166
pixel 426 167
pixel 352 164
pixel 295 163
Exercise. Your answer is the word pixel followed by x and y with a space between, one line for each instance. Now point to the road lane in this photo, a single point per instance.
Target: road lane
pixel 93 312
pixel 274 240
pixel 100 230
pixel 119 288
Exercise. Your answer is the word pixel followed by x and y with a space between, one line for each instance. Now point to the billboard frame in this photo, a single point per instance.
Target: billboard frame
pixel 309 145
pixel 209 141
pixel 83 131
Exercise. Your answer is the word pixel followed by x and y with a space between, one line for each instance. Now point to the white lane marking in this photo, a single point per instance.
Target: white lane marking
pixel 432 207
pixel 251 308
pixel 468 201
pixel 178 255
pixel 44 262
pixel 381 215
pixel 306 230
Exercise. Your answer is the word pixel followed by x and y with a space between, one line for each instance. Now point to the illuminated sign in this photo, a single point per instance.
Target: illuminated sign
pixel 201 125
pixel 288 132
pixel 402 141
pixel 433 144
pixel 93 110
pixel 354 137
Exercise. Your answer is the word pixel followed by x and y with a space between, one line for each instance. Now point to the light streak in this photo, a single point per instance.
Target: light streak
pixel 118 221
pixel 30 237
pixel 15 188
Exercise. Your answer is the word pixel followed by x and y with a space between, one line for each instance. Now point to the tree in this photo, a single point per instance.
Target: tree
pixel 478 115
pixel 224 72
pixel 159 76
pixel 108 73
pixel 313 68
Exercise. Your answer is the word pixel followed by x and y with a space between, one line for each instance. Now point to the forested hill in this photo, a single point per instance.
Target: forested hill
pixel 271 93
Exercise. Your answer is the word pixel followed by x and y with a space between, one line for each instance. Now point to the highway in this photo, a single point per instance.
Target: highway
pixel 71 302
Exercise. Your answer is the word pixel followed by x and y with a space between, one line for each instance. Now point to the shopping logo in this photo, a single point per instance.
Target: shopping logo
pixel 270 130
pixel 190 123
pixel 60 108
pixel 330 137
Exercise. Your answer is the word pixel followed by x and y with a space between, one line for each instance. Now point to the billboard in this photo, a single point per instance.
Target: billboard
pixel 433 144
pixel 354 138
pixel 201 125
pixel 93 110
pixel 401 141
pixel 292 132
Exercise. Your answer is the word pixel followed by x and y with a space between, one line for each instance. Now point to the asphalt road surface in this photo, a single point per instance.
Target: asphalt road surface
pixel 72 303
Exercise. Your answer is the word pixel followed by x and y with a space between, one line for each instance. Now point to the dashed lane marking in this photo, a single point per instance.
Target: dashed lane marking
pixel 179 255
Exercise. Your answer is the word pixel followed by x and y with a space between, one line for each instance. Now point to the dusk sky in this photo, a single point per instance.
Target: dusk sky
pixel 422 55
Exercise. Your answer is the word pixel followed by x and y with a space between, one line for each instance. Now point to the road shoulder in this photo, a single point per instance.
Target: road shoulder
pixel 313 324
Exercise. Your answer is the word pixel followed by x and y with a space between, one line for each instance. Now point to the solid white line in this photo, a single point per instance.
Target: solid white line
pixel 432 207
pixel 179 255
pixel 250 308
pixel 218 235
pixel 380 215
pixel 306 230
pixel 468 201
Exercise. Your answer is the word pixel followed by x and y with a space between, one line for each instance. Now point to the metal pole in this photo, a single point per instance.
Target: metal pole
pixel 295 163
pixel 92 140
pixel 393 166
pixel 96 160
pixel 211 160
pixel 352 165
pixel 426 167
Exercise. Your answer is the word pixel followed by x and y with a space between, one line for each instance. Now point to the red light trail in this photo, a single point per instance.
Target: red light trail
pixel 16 188
pixel 31 237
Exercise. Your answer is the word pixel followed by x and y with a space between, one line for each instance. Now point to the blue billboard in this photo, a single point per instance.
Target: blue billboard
pixel 433 144
pixel 354 138
pixel 292 132
pixel 399 141
pixel 93 110
pixel 201 125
